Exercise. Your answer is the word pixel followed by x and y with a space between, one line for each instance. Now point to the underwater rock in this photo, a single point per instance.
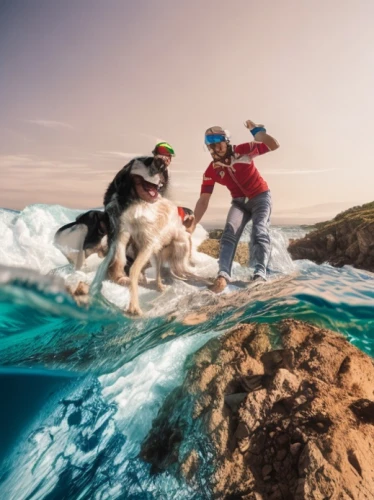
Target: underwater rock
pixel 347 239
pixel 252 422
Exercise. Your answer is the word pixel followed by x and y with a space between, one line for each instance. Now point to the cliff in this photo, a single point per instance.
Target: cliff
pixel 347 239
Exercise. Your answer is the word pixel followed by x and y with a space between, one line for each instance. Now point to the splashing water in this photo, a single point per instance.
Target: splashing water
pixel 82 386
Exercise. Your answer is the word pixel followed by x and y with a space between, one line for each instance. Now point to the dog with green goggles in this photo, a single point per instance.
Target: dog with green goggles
pixel 163 149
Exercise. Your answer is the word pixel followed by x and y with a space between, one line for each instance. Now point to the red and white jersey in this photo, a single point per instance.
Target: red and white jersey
pixel 241 176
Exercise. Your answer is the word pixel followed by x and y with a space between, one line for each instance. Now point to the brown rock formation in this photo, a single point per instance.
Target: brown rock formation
pixel 292 423
pixel 347 239
pixel 215 234
pixel 211 247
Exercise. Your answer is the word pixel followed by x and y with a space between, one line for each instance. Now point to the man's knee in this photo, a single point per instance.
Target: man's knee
pixel 260 232
pixel 229 233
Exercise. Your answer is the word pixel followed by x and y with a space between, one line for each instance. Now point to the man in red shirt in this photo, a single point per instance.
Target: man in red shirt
pixel 233 167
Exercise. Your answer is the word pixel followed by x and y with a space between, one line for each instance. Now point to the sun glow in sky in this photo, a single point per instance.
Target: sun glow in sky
pixel 85 85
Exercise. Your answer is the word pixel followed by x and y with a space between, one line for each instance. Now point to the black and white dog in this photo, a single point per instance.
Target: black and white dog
pixel 87 235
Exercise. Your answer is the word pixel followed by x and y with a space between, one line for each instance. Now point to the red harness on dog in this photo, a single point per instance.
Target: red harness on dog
pixel 181 213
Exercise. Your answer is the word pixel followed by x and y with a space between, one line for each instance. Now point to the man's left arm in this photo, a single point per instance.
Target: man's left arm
pixel 260 135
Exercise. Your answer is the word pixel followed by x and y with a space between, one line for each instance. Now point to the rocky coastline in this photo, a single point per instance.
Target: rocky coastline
pixel 271 412
pixel 348 239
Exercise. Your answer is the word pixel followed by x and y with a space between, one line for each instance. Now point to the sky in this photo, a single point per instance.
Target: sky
pixel 85 85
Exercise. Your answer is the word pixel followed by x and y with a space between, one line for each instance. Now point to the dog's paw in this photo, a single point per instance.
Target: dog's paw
pixel 143 279
pixel 134 310
pixel 78 290
pixel 161 287
pixel 82 300
pixel 123 281
pixel 82 288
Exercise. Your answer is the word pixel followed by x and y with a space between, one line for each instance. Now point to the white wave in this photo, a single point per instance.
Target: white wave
pixel 132 397
pixel 27 237
pixel 137 386
pixel 27 241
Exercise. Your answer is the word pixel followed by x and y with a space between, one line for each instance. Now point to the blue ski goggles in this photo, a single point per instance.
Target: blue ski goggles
pixel 215 139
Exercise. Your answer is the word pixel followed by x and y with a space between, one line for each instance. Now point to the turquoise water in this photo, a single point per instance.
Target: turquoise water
pixel 80 387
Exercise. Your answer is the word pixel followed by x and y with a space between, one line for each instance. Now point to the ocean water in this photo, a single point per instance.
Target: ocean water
pixel 79 387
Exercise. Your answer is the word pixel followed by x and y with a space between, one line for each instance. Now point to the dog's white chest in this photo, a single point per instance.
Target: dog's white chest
pixel 146 212
pixel 139 215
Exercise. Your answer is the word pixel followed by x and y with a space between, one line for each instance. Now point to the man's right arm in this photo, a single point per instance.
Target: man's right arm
pixel 201 207
pixel 206 191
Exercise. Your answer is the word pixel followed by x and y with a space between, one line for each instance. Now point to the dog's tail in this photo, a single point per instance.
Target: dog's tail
pixel 102 271
pixel 178 256
pixel 112 211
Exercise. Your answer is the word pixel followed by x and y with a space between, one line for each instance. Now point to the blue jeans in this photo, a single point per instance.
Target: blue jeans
pixel 241 212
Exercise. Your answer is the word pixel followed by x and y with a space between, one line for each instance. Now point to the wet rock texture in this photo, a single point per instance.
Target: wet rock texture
pixel 211 248
pixel 347 239
pixel 253 422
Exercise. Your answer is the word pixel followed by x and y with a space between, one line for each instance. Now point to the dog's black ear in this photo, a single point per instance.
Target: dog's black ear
pixel 120 183
pixel 118 196
pixel 124 187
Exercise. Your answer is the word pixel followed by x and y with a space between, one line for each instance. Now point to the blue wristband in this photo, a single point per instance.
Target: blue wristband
pixel 255 130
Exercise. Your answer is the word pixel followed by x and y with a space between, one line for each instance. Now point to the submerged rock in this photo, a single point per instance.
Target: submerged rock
pixel 251 421
pixel 347 239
